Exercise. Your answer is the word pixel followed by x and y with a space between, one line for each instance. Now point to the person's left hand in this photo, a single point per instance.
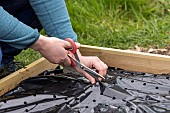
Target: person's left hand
pixel 92 62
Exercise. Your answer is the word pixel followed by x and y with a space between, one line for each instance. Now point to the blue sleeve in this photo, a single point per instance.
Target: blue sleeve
pixel 54 18
pixel 14 32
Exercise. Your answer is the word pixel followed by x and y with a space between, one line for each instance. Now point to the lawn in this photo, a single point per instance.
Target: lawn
pixel 116 24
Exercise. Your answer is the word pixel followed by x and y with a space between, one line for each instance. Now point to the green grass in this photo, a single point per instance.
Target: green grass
pixel 120 23
pixel 117 24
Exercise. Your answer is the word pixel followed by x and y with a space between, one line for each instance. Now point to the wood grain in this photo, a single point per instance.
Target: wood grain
pixel 11 81
pixel 130 60
pixel 124 59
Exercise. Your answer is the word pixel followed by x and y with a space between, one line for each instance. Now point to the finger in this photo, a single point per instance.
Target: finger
pixel 100 66
pixel 103 68
pixel 65 61
pixel 77 44
pixel 103 71
pixel 89 77
pixel 67 44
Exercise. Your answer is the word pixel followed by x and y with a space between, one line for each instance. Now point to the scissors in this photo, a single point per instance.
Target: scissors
pixel 76 62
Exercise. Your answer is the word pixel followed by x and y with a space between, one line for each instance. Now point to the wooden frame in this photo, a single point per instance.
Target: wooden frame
pixel 130 60
pixel 124 59
pixel 11 81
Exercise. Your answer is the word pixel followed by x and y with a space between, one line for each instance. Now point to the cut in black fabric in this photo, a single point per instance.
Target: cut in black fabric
pixel 121 92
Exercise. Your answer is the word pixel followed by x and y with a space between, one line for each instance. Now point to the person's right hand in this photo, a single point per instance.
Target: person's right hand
pixel 53 49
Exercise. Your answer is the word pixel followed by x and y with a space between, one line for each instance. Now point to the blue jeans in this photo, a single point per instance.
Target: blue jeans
pixel 22 10
pixel 52 14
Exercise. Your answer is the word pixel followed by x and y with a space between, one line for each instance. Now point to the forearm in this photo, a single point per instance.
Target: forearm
pixel 54 18
pixel 14 32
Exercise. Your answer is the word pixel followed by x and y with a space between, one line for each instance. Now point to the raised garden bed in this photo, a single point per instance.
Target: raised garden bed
pixel 143 87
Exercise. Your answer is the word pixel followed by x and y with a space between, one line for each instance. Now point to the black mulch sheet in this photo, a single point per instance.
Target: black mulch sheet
pixel 122 92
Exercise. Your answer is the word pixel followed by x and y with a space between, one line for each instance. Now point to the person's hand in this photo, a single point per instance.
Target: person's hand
pixel 53 49
pixel 92 62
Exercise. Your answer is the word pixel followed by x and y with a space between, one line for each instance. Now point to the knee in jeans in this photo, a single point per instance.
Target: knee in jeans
pixel 0 57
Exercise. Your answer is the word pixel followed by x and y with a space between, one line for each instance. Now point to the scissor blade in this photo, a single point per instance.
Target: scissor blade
pixel 75 60
pixel 92 72
pixel 76 56
pixel 86 69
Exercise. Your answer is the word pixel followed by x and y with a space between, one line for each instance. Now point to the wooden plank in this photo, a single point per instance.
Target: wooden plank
pixel 11 81
pixel 130 60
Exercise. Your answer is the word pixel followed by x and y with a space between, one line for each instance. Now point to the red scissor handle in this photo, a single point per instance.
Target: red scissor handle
pixel 73 50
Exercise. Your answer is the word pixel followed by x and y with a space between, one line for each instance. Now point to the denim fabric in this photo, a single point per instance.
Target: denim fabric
pixel 0 56
pixel 22 10
pixel 51 14
pixel 54 18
